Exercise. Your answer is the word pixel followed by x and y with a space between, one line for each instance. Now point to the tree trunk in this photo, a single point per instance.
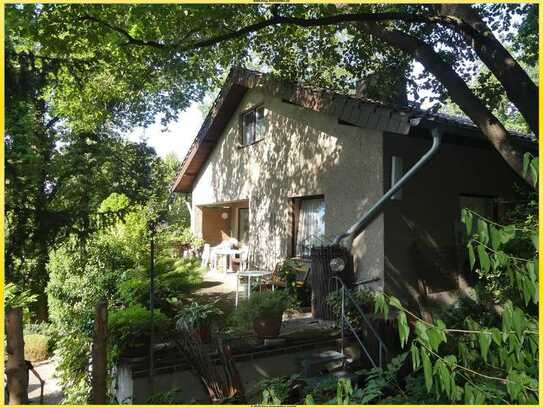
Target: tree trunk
pixel 520 89
pixel 16 371
pixel 459 92
pixel 99 356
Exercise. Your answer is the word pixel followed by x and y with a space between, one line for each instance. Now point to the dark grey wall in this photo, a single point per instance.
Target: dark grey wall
pixel 420 243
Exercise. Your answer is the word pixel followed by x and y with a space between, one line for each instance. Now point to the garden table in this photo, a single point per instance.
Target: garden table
pixel 249 274
pixel 228 253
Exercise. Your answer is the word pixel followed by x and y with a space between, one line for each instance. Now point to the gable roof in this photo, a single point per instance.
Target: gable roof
pixel 357 111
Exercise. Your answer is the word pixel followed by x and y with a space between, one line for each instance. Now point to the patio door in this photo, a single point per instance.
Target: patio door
pixel 216 224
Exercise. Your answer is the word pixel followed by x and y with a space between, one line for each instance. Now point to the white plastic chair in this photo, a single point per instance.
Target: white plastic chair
pixel 243 262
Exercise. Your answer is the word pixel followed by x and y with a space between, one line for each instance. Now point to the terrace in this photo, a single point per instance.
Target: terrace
pixel 313 346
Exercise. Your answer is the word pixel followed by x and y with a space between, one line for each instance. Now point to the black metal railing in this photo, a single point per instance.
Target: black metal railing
pixel 344 322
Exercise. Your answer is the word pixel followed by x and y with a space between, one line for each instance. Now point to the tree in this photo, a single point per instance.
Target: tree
pixel 56 177
pixel 177 52
pixel 15 302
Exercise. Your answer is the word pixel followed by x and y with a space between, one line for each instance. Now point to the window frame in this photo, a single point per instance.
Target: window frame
pixel 239 223
pixel 252 109
pixel 295 205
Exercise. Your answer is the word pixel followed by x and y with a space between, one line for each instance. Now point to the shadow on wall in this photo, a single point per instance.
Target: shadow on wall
pixel 288 162
pixel 434 277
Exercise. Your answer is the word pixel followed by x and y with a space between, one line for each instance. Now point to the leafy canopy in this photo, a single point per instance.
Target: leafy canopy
pixel 125 64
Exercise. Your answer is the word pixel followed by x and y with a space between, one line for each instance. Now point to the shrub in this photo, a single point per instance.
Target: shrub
pixel 185 237
pixel 130 328
pixel 36 347
pixel 195 314
pixel 265 304
pixel 174 278
pixel 79 277
pixel 112 264
pixel 364 299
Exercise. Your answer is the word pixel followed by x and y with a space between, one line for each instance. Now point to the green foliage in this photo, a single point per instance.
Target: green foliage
pixel 341 391
pixel 505 257
pixel 195 314
pixel 15 297
pixel 415 392
pixel 111 264
pixel 278 390
pixel 79 277
pixel 114 203
pixel 531 166
pixel 265 304
pixel 288 272
pixel 297 390
pixel 174 278
pixel 36 347
pixel 88 48
pixel 130 327
pixel 379 381
pixel 185 237
pixel 483 357
pixel 364 299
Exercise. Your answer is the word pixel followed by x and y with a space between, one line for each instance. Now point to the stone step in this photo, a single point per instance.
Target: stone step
pixel 345 374
pixel 314 363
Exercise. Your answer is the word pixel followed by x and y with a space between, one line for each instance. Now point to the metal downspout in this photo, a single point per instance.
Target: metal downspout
pixel 376 209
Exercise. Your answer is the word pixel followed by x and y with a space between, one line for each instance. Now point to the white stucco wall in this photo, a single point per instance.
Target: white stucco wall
pixel 303 153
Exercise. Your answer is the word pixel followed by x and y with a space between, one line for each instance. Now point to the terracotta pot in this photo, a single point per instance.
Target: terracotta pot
pixel 268 327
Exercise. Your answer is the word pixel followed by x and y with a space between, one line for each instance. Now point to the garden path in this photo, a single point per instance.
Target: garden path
pixel 52 393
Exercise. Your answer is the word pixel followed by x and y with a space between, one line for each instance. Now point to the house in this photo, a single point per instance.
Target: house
pixel 282 167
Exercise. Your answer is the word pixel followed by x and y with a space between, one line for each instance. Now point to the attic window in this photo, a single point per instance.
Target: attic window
pixel 252 126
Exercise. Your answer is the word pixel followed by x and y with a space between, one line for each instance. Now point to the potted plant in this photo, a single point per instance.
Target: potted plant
pixel 264 312
pixel 198 317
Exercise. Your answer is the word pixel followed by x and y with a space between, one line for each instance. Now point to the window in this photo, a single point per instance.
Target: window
pixel 243 225
pixel 309 224
pixel 252 126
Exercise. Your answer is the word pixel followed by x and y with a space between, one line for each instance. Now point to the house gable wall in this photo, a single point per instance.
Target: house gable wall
pixel 423 229
pixel 303 153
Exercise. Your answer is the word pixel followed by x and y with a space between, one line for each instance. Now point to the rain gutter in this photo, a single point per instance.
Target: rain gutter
pixel 357 228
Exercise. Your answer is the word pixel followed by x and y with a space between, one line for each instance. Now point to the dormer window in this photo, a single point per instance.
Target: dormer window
pixel 252 126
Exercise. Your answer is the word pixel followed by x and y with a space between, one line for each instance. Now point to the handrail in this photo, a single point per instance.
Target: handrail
pixel 382 345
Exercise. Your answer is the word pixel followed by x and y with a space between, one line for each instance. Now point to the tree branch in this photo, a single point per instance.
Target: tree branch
pixel 275 20
pixel 123 32
pixel 457 88
pixel 460 93
pixel 520 89
pixel 52 122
